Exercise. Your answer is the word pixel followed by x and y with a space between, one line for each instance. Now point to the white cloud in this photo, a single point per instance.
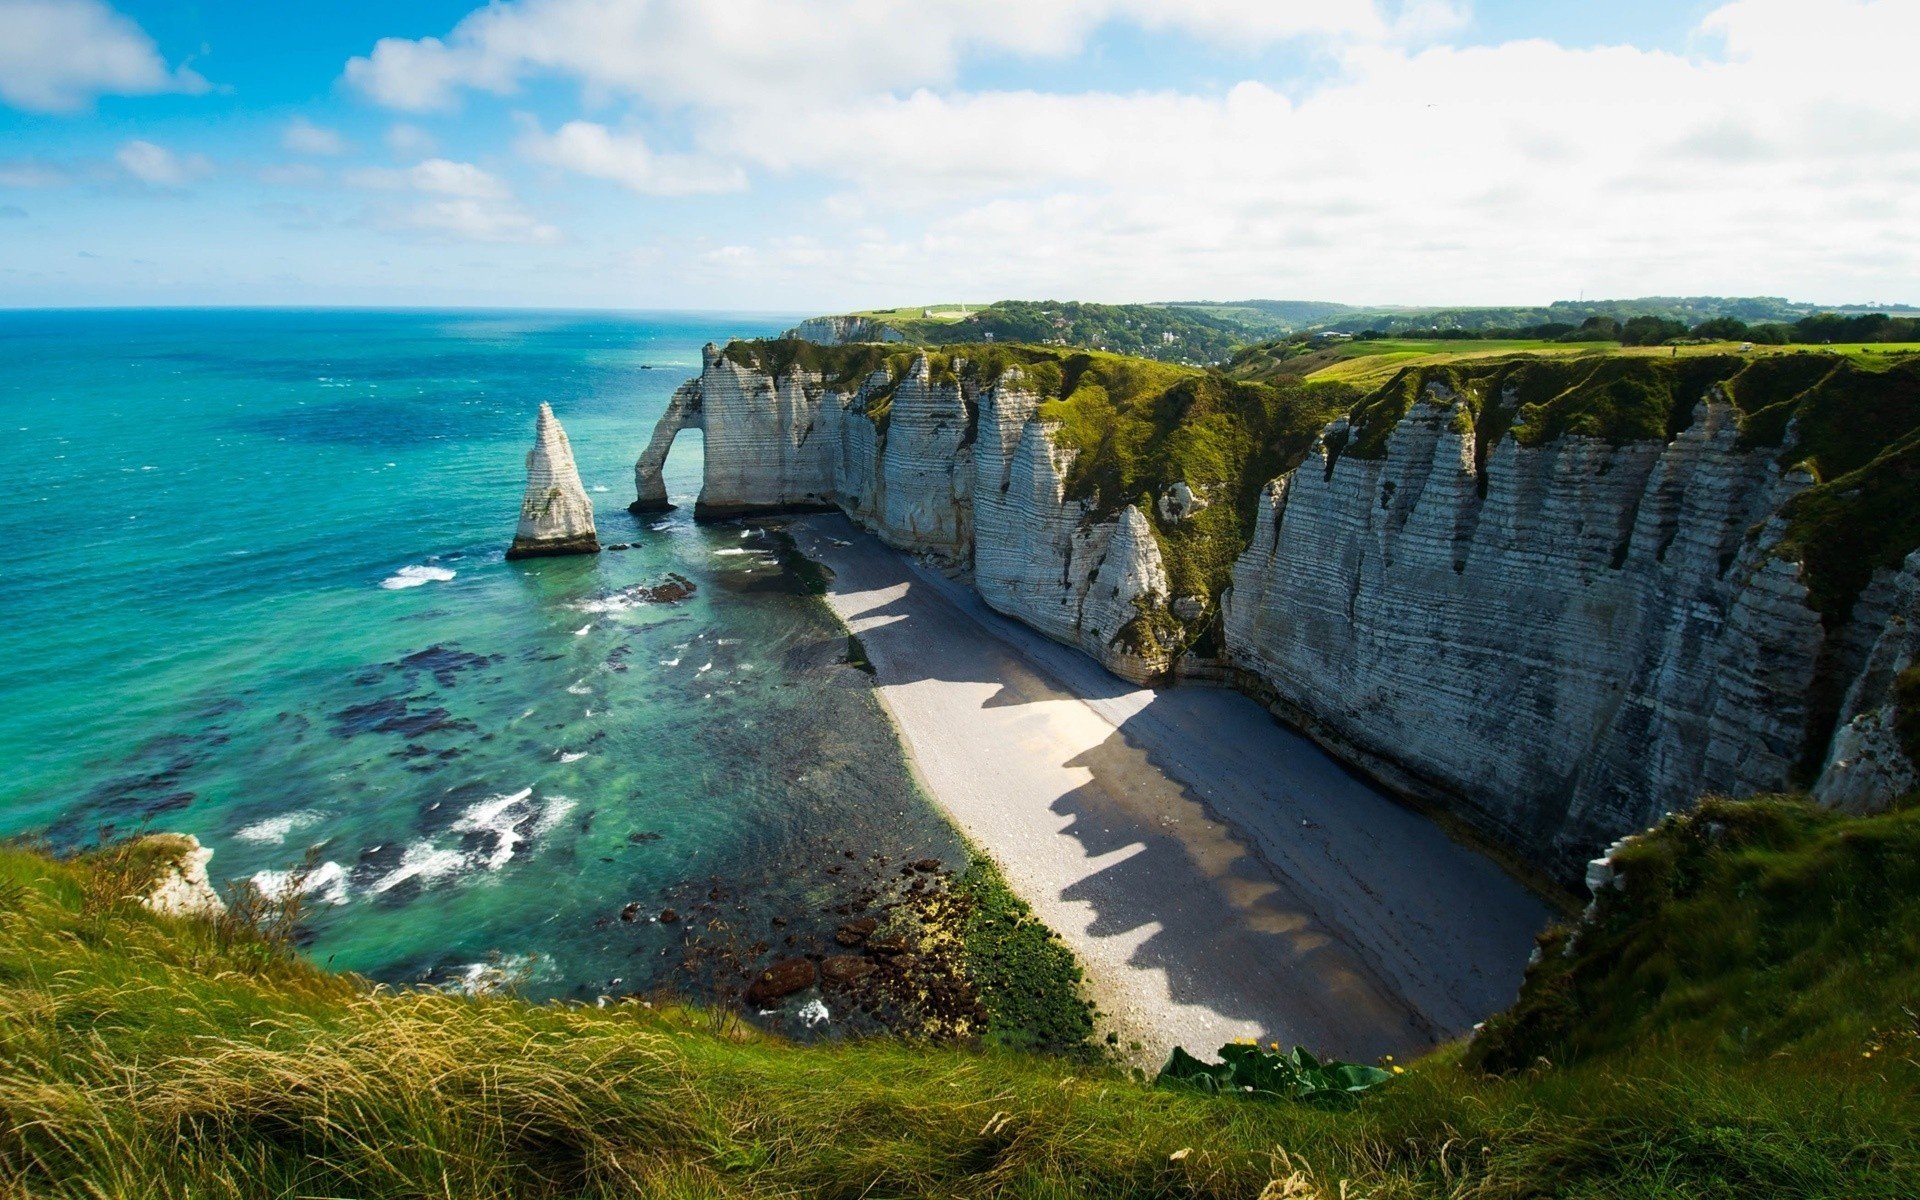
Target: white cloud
pixel 57 56
pixel 157 166
pixel 625 158
pixel 475 220
pixel 439 176
pixel 304 137
pixel 409 141
pixel 29 173
pixel 774 52
pixel 292 175
pixel 1447 175
pixel 461 201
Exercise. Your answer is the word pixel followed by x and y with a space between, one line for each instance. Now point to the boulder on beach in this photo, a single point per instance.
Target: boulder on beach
pixel 555 515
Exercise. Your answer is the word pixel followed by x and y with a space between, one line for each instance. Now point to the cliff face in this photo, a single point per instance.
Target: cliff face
pixel 842 331
pixel 1592 642
pixel 555 515
pixel 1556 634
pixel 930 464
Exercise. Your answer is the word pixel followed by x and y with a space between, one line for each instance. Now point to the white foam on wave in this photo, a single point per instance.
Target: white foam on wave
pixel 326 883
pixel 599 487
pixel 497 817
pixel 568 756
pixel 657 526
pixel 584 630
pixel 408 577
pixel 579 689
pixel 274 830
pixel 670 662
pixel 734 550
pixel 488 978
pixel 423 861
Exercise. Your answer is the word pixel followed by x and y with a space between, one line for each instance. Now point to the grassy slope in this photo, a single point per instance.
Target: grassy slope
pixel 1719 1053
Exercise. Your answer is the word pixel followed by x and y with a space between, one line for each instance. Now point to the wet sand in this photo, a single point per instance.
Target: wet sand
pixel 1218 875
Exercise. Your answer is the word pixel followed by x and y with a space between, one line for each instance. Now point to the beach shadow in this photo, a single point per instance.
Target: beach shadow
pixel 1303 932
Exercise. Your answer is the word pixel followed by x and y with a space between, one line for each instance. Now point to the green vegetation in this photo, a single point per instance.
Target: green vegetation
pixel 1026 977
pixel 1738 1024
pixel 1246 1069
pixel 1760 930
pixel 1170 334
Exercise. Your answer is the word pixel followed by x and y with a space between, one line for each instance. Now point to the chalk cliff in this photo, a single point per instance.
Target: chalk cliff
pixel 1555 622
pixel 555 515
pixel 918 455
pixel 841 331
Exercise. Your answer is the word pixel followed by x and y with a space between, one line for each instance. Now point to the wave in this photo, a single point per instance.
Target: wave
pixel 414 576
pixel 274 830
pixel 503 974
pixel 423 861
pixel 567 756
pixel 326 883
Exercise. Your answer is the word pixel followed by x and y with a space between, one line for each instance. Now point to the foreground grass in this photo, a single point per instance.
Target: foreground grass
pixel 151 1056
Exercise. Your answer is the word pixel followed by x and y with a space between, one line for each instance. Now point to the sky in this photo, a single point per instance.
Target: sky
pixel 828 155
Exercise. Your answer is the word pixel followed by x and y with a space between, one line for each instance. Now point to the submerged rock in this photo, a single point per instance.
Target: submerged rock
pixel 555 515
pixel 782 979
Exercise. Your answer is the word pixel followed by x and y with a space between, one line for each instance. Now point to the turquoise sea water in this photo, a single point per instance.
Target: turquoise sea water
pixel 254 591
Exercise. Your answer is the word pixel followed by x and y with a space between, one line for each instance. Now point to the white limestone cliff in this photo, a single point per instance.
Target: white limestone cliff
pixel 1559 643
pixel 1867 768
pixel 842 331
pixel 555 515
pixel 929 468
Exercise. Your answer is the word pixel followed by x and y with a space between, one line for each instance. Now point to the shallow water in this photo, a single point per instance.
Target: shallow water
pixel 255 592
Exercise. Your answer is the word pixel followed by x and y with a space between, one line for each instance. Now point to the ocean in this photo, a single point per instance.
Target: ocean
pixel 255 592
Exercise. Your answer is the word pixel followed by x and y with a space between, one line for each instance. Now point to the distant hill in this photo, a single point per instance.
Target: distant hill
pixel 1169 334
pixel 1211 332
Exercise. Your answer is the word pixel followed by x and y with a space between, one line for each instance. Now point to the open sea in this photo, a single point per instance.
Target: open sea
pixel 254 591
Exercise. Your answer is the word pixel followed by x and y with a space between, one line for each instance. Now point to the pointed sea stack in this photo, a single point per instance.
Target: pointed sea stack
pixel 555 517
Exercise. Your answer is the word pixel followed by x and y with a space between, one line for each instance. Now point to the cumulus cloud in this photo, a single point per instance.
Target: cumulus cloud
pixel 1434 173
pixel 1777 154
pixel 476 220
pixel 625 158
pixel 756 52
pixel 304 137
pixel 57 56
pixel 461 200
pixel 159 167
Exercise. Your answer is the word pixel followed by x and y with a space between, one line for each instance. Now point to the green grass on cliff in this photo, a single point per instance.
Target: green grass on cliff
pixel 1740 1024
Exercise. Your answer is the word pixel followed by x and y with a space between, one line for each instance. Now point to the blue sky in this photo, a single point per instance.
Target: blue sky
pixel 828 154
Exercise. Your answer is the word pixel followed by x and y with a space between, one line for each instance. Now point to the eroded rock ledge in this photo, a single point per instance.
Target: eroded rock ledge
pixel 1549 619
